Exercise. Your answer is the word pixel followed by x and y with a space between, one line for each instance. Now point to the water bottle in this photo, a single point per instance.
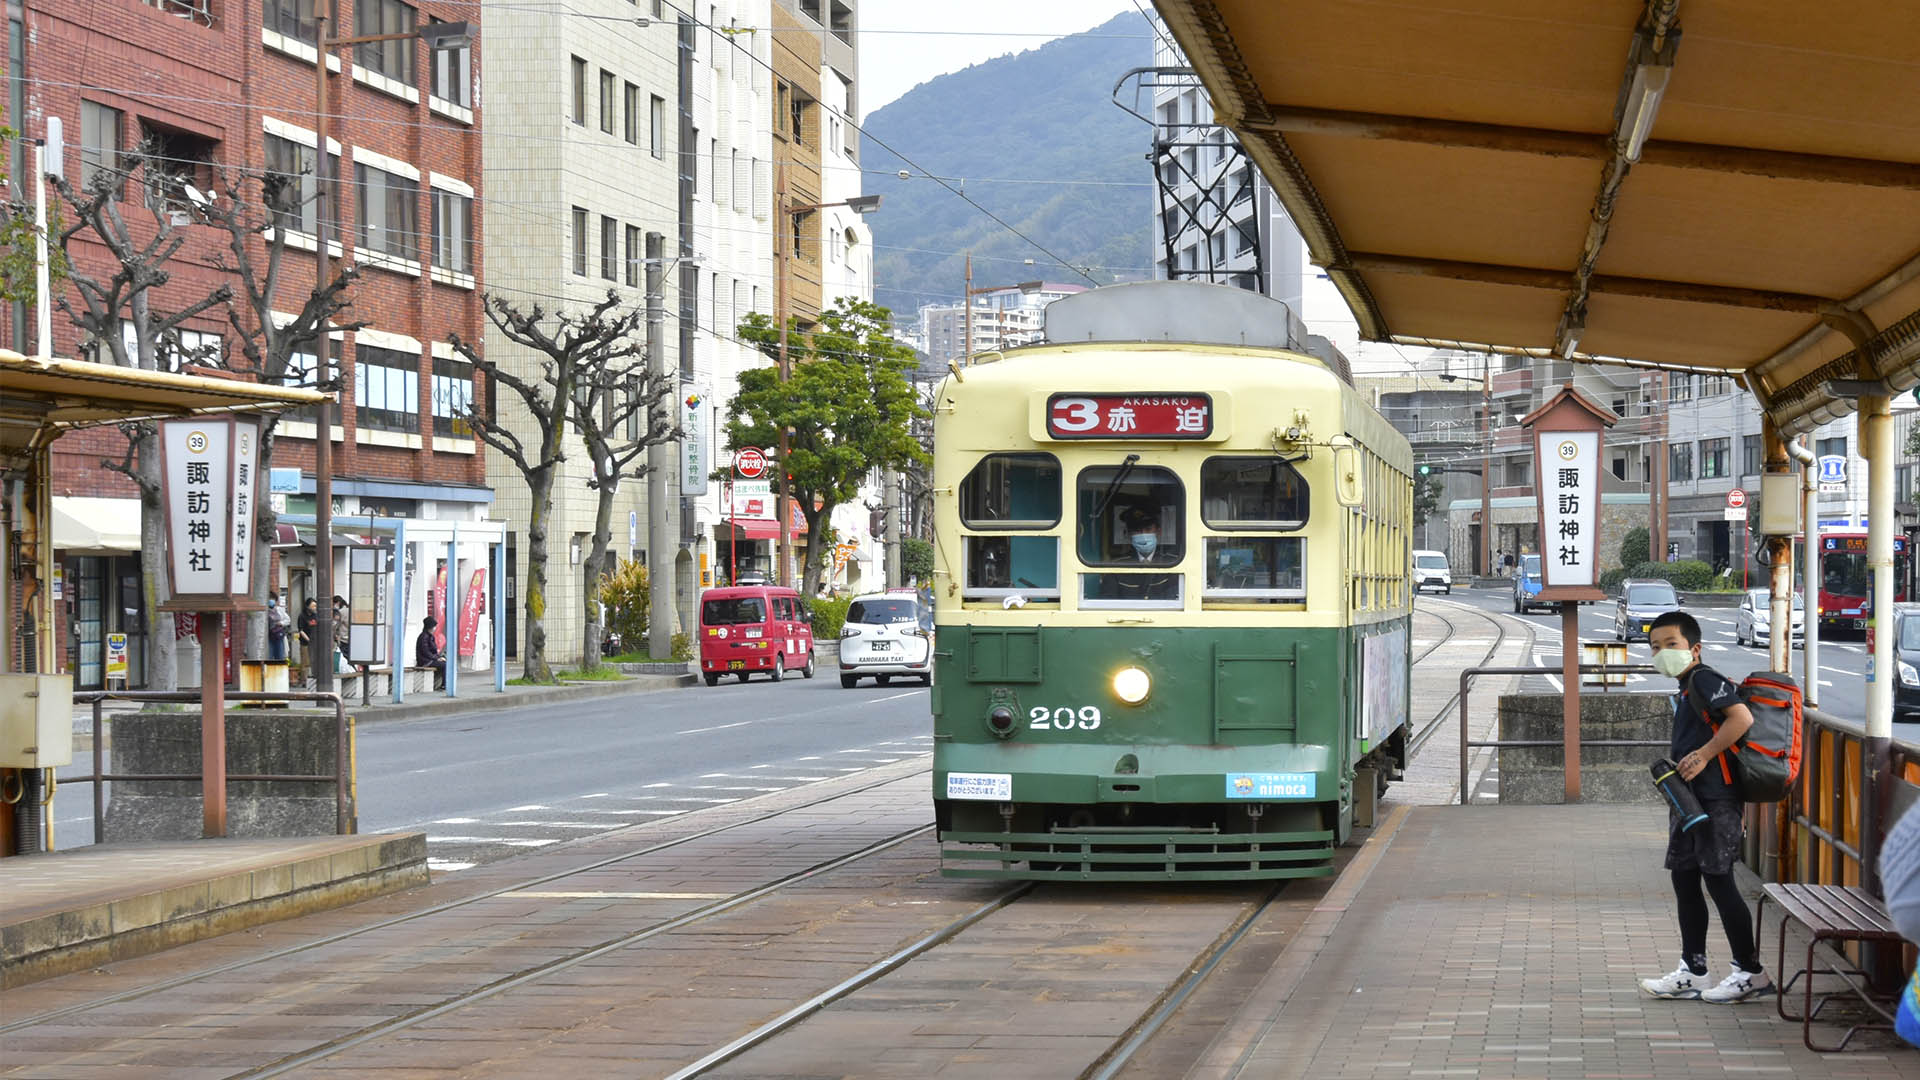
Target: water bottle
pixel 1679 794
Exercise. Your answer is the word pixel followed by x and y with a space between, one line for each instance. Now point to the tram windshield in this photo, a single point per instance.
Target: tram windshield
pixel 1130 515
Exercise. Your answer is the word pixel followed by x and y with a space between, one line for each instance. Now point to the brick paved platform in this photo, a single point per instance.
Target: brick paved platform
pixel 1506 941
pixel 71 910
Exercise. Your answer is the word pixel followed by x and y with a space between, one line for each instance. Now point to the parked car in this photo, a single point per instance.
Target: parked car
pixel 1906 660
pixel 1430 571
pixel 1641 601
pixel 1750 623
pixel 749 628
pixel 1526 584
pixel 887 634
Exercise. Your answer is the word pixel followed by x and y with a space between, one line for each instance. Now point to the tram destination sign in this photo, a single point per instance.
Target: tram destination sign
pixel 1130 416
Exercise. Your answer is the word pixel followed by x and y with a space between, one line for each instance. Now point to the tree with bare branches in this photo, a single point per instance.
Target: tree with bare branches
pixel 620 410
pixel 572 349
pixel 282 342
pixel 99 303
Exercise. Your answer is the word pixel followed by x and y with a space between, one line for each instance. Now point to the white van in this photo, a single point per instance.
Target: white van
pixel 1430 571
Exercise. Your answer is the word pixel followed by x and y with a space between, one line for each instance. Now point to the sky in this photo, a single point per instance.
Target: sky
pixel 903 43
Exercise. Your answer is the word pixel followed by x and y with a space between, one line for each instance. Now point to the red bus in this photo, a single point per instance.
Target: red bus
pixel 1844 600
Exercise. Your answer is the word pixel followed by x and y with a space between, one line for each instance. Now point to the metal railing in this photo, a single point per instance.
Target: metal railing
pixel 1818 838
pixel 1468 745
pixel 343 817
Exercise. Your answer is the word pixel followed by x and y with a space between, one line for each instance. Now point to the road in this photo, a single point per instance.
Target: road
pixel 484 785
pixel 1842 686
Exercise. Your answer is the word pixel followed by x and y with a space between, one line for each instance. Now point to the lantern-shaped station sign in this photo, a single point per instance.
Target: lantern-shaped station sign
pixel 1568 433
pixel 209 476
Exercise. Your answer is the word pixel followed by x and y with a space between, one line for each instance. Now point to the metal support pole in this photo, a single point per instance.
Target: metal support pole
pixel 450 655
pixel 1657 490
pixel 213 726
pixel 399 658
pixel 1570 692
pixel 1877 442
pixel 323 364
pixel 895 575
pixel 496 609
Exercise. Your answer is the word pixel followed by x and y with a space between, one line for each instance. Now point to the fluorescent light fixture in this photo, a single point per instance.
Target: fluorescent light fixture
pixel 864 204
pixel 1643 104
pixel 447 35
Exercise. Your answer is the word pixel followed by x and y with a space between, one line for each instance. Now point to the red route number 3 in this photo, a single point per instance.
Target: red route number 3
pixel 1130 416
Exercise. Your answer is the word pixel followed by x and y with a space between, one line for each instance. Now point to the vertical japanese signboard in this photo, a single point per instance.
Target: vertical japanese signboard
pixel 694 465
pixel 1568 435
pixel 208 484
pixel 1569 507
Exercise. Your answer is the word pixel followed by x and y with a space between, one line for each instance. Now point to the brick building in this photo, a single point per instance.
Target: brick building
pixel 212 86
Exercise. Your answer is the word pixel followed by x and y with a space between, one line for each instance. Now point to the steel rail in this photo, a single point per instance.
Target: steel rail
pixel 571 960
pixel 865 977
pixel 451 905
pixel 1425 735
pixel 1122 1055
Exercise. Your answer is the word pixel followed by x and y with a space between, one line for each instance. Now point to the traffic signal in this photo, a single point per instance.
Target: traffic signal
pixel 1426 470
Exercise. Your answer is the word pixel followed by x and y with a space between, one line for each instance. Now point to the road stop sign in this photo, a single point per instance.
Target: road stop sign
pixel 1736 499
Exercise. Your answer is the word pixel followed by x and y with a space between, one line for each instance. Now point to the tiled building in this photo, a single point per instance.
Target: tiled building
pixel 213 88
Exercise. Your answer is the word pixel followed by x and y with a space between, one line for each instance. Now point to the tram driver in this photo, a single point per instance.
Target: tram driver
pixel 1142 547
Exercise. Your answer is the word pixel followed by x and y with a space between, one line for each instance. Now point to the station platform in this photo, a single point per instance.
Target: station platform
pixel 1508 941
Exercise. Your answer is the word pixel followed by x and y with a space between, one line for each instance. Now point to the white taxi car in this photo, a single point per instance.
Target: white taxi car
pixel 887 634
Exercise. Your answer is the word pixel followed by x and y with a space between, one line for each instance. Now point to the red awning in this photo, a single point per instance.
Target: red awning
pixel 763 528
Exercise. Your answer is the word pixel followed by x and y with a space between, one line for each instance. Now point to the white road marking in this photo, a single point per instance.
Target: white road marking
pixel 724 787
pixel 892 697
pixel 524 809
pixel 457 821
pixel 596 795
pixel 659 785
pixel 721 727
pixel 508 841
pixel 447 866
pixel 547 824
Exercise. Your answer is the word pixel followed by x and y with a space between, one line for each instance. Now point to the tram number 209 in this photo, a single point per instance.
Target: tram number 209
pixel 1085 718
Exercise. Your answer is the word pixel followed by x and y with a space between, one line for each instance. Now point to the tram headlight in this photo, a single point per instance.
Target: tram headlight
pixel 1000 722
pixel 1132 685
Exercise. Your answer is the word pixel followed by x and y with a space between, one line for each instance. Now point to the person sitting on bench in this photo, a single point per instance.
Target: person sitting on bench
pixel 427 653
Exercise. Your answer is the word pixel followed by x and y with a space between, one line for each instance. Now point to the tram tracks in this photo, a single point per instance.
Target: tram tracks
pixel 209 973
pixel 1432 725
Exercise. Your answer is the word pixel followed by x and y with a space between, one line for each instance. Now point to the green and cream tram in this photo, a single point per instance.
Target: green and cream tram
pixel 1172 597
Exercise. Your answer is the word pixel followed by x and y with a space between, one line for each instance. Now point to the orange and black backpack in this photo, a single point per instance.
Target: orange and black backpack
pixel 1766 760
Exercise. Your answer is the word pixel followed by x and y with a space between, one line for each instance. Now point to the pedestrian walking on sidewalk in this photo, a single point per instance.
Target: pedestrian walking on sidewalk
pixel 1705 854
pixel 307 627
pixel 341 633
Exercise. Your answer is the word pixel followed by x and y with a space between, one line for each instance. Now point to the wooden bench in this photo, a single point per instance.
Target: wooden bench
pixel 1831 914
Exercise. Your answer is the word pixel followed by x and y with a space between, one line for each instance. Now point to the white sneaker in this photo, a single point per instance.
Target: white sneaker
pixel 1682 984
pixel 1739 986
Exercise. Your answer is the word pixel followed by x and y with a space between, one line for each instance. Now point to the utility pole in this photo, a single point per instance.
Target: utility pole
pixel 895 572
pixel 1657 490
pixel 323 200
pixel 660 605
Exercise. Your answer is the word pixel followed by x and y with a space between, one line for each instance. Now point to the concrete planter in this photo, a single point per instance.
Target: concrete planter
pixel 1608 774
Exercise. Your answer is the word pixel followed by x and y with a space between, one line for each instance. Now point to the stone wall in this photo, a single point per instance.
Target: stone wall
pixel 1608 774
pixel 277 742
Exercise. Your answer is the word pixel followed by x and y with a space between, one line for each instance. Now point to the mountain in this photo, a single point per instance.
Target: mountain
pixel 1045 114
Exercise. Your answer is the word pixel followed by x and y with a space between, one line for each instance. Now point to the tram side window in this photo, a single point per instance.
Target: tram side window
pixel 1008 494
pixel 1252 493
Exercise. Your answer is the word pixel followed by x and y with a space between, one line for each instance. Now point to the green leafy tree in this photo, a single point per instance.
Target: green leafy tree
pixel 625 593
pixel 1426 498
pixel 1635 546
pixel 17 236
pixel 916 559
pixel 847 408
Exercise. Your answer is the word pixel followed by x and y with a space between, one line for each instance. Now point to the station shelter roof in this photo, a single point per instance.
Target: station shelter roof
pixel 1730 186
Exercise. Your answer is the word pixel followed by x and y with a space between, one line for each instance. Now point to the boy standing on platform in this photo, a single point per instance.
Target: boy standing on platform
pixel 1705 855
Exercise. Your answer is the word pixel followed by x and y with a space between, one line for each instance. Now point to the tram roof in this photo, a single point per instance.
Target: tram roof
pixel 1462 173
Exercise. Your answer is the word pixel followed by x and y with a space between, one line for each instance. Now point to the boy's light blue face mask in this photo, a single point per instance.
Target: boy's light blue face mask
pixel 1144 544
